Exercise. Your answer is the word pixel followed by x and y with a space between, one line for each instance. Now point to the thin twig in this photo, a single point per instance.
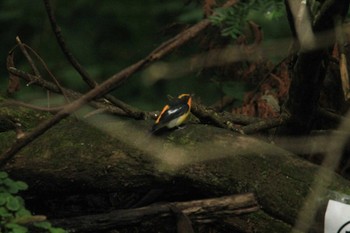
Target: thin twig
pixel 31 106
pixel 223 120
pixel 43 63
pixel 71 94
pixel 135 113
pixel 24 48
pixel 264 125
pixel 58 34
pixel 207 115
pixel 105 87
pixel 28 57
pixel 69 109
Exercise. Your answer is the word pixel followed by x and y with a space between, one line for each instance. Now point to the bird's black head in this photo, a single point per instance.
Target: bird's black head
pixel 184 97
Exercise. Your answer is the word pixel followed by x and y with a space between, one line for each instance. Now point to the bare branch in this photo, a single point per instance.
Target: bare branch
pixel 28 57
pixel 47 70
pixel 207 210
pixel 71 94
pixel 264 124
pixel 135 113
pixel 31 106
pixel 58 34
pixel 106 86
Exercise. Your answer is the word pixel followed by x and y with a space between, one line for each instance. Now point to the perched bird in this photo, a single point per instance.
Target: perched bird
pixel 174 113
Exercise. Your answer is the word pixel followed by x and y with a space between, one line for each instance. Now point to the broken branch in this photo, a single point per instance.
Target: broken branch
pixel 207 210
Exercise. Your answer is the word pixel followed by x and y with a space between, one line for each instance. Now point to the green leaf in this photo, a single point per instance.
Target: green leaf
pixel 11 186
pixel 13 203
pixel 21 185
pixel 23 213
pixel 8 181
pixel 57 230
pixel 14 186
pixel 4 213
pixel 43 225
pixel 3 175
pixel 16 228
pixel 3 198
pixel 21 201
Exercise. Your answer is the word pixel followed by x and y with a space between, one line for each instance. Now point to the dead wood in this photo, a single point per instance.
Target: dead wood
pixel 208 210
pixel 107 154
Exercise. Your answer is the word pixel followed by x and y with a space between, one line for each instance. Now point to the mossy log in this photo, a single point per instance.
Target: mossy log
pixel 108 154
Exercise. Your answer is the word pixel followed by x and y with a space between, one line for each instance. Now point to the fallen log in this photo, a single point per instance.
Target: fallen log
pixel 105 154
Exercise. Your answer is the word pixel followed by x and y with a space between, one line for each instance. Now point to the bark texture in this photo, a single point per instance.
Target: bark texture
pixel 115 155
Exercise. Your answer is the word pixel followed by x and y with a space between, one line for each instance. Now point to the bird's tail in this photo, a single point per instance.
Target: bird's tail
pixel 155 128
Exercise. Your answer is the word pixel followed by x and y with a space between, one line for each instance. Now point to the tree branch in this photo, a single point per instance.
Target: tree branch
pixel 207 210
pixel 108 85
pixel 132 111
pixel 58 34
pixel 70 93
pixel 264 124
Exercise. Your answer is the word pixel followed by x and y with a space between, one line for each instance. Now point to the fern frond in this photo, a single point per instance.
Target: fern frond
pixel 232 20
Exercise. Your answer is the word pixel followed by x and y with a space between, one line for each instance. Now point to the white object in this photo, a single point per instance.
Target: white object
pixel 337 218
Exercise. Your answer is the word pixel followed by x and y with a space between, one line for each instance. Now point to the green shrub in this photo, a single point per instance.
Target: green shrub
pixel 14 217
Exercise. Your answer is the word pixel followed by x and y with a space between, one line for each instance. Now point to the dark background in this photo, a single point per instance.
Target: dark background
pixel 106 36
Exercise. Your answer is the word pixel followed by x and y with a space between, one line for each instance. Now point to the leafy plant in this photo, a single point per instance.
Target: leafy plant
pixel 14 217
pixel 232 19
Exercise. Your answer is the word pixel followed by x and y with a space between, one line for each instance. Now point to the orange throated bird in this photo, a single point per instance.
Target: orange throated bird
pixel 174 113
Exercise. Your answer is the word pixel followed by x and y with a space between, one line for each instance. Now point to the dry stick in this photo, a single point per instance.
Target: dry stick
pixel 223 120
pixel 24 48
pixel 57 31
pixel 105 87
pixel 207 210
pixel 72 94
pixel 264 124
pixel 138 114
pixel 49 72
pixel 40 82
pixel 26 105
pixel 28 57
pixel 207 115
pixel 68 109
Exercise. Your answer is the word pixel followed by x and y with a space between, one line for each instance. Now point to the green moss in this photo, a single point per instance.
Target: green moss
pixel 7 139
pixel 75 140
pixel 265 223
pixel 28 118
pixel 183 138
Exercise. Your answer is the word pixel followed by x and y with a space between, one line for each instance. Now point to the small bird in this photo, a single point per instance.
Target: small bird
pixel 174 113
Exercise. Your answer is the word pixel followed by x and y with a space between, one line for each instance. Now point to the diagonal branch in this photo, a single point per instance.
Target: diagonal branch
pixel 70 93
pixel 132 111
pixel 107 86
pixel 27 56
pixel 24 48
pixel 58 34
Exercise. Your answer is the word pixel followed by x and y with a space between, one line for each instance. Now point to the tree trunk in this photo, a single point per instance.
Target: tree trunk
pixel 314 32
pixel 105 154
